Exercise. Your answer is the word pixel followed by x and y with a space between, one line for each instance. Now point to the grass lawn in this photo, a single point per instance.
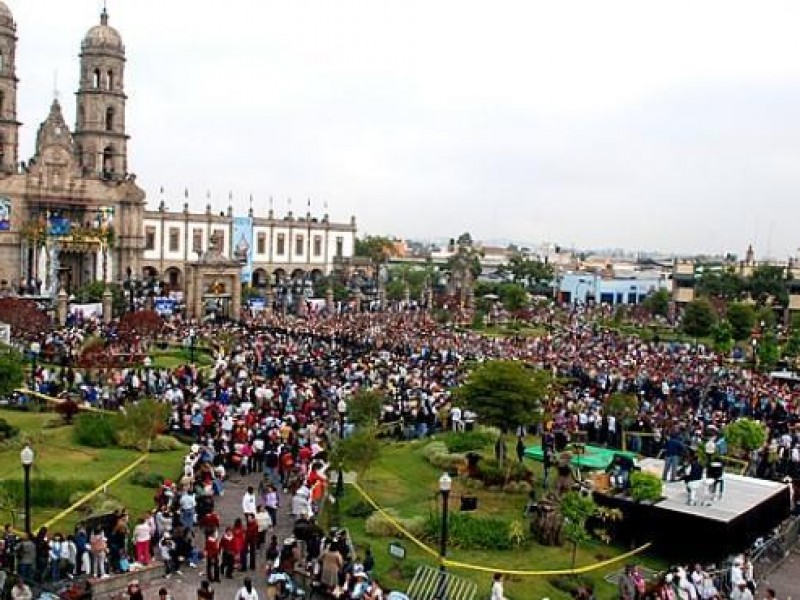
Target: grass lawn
pixel 173 357
pixel 58 457
pixel 403 480
pixel 506 331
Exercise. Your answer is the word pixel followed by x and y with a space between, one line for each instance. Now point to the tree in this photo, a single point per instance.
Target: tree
pixel 513 296
pixel 534 274
pixel 365 407
pixel 698 318
pixel 142 422
pixel 767 285
pixel 768 351
pixel 505 394
pixel 93 292
pixel 358 452
pixel 623 407
pixel 742 318
pixel 576 509
pixel 12 370
pixel 722 336
pixel 25 318
pixel 377 249
pixel 726 285
pixel 141 324
pixel 745 435
pixel 657 303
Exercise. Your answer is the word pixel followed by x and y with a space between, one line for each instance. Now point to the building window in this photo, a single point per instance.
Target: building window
pixel 281 245
pixel 317 245
pixel 96 79
pixel 261 243
pixel 174 239
pixel 149 238
pixel 197 240
pixel 339 246
pixel 110 80
pixel 110 118
pixel 298 245
pixel 220 234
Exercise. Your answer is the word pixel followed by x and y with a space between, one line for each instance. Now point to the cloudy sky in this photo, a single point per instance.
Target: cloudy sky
pixel 669 125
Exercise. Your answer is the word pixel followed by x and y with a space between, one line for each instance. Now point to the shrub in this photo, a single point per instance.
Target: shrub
pixel 164 443
pixel 491 473
pixel 7 430
pixel 95 430
pixel 147 479
pixel 448 461
pixel 378 525
pixel 571 584
pixel 467 441
pixel 47 492
pixel 434 448
pixel 470 532
pixel 359 510
pixel 646 487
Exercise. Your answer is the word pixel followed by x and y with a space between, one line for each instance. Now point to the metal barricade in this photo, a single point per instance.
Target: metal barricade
pixel 430 584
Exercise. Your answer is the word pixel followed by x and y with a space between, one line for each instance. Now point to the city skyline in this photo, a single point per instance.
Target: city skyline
pixel 660 126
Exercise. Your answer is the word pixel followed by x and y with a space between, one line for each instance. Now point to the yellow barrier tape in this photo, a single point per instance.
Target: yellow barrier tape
pixel 53 400
pixel 96 491
pixel 461 565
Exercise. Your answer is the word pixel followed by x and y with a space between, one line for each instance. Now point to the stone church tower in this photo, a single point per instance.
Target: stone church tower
pixel 73 213
pixel 101 142
pixel 9 126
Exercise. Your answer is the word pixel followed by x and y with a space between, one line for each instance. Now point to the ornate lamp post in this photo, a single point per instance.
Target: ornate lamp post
pixel 445 484
pixel 341 408
pixel 26 457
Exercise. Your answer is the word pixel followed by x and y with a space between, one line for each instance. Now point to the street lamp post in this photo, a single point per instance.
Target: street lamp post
pixel 192 336
pixel 148 363
pixel 341 408
pixel 36 348
pixel 26 457
pixel 754 343
pixel 445 483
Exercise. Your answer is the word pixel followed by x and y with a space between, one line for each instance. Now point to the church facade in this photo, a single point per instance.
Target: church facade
pixel 74 213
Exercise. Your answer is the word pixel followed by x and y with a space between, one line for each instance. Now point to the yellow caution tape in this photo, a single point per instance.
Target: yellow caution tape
pixel 96 491
pixel 462 565
pixel 53 400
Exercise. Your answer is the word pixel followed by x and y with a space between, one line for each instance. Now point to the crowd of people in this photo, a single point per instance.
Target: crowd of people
pixel 266 409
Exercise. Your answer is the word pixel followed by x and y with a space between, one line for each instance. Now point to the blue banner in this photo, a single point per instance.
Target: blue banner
pixel 58 226
pixel 164 306
pixel 243 246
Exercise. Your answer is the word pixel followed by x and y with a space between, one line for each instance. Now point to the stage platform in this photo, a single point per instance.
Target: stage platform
pixel 749 508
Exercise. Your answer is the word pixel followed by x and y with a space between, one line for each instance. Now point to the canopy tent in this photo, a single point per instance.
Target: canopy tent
pixel 593 457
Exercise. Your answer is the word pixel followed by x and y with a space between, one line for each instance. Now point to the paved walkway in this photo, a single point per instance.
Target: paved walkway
pixel 229 508
pixel 786 579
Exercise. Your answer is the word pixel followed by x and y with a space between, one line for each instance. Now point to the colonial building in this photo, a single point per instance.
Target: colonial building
pixel 73 213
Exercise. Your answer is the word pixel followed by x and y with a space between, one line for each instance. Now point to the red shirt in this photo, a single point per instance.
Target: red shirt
pixel 212 547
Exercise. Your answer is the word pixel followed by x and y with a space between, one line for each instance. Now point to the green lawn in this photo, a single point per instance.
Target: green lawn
pixel 403 480
pixel 173 357
pixel 58 457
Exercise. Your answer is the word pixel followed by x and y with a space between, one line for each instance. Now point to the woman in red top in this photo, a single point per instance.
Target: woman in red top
pixel 252 541
pixel 212 549
pixel 240 544
pixel 226 544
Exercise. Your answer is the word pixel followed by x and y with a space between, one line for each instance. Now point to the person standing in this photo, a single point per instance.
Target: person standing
pixel 141 538
pixel 247 591
pixel 497 587
pixel 205 592
pixel 694 480
pixel 249 502
pixel 212 550
pixel 627 584
pixel 99 548
pixel 21 591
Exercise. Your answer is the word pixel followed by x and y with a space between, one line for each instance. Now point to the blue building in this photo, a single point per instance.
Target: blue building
pixel 581 288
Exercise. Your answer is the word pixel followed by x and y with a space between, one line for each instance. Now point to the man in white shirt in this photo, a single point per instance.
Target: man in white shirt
pixel 249 502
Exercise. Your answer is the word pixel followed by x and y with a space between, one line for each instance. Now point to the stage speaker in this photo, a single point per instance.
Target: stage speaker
pixel 469 503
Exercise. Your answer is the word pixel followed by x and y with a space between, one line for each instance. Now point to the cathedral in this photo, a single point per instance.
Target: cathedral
pixel 73 213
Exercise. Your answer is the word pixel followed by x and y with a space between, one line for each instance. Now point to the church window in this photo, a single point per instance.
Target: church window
pixel 220 235
pixel 261 243
pixel 110 80
pixel 174 239
pixel 79 154
pixel 110 118
pixel 317 245
pixel 81 116
pixel 2 61
pixel 108 160
pixel 149 238
pixel 2 102
pixel 197 240
pixel 281 244
pixel 298 245
pixel 96 79
pixel 339 246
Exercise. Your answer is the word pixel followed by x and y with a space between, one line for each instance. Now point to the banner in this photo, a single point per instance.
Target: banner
pixel 5 214
pixel 243 246
pixel 164 306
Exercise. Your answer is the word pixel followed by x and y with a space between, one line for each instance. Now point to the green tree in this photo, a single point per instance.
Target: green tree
pixel 505 394
pixel 766 318
pixel 792 346
pixel 745 435
pixel 533 274
pixel 657 303
pixel 742 318
pixel 513 296
pixel 698 318
pixel 769 352
pixel 623 407
pixel 143 421
pixel 12 370
pixel 93 291
pixel 767 285
pixel 722 334
pixel 364 408
pixel 358 452
pixel 377 249
pixel 576 509
pixel 725 284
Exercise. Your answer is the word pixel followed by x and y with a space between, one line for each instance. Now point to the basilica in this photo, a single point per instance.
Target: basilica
pixel 73 213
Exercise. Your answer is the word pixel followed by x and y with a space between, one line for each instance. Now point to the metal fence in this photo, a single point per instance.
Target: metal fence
pixel 768 557
pixel 430 584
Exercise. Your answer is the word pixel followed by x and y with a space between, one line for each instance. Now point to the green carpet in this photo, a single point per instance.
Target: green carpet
pixel 594 457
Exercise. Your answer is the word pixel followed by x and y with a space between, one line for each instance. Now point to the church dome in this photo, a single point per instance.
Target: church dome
pixel 6 18
pixel 103 36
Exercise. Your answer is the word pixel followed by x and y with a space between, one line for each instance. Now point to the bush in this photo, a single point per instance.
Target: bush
pixel 470 532
pixel 359 510
pixel 646 487
pixel 378 525
pixel 448 462
pixel 571 584
pixel 434 448
pixel 7 430
pixel 491 473
pixel 95 430
pixel 467 441
pixel 164 443
pixel 147 479
pixel 47 492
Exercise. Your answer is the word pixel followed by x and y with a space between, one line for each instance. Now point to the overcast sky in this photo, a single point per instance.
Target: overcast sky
pixel 668 125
